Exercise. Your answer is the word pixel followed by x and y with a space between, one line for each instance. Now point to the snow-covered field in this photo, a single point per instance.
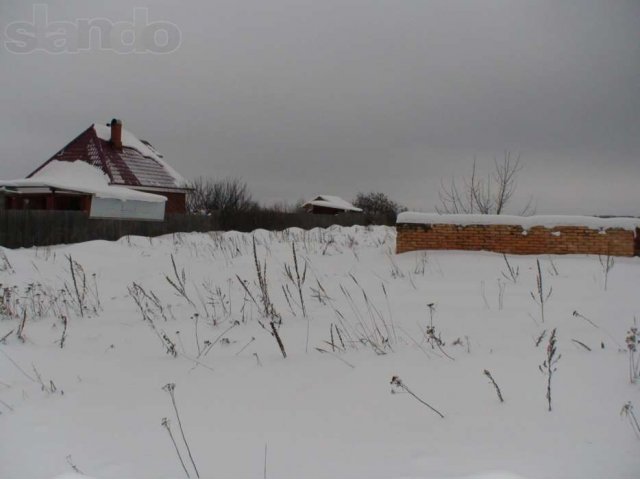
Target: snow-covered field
pixel 95 406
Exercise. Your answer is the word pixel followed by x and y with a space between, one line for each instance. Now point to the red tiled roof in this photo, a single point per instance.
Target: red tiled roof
pixel 126 166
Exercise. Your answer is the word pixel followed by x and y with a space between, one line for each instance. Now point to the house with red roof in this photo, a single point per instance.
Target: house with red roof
pixel 106 172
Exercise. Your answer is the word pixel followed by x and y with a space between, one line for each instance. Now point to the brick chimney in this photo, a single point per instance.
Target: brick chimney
pixel 116 133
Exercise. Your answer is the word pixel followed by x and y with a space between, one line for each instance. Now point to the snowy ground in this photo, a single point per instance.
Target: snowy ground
pixel 325 413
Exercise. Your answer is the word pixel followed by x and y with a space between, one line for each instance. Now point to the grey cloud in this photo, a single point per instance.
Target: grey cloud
pixel 337 97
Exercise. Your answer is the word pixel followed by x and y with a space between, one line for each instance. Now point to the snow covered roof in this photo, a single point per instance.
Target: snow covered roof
pixel 331 201
pixel 549 221
pixel 137 164
pixel 79 176
pixel 129 141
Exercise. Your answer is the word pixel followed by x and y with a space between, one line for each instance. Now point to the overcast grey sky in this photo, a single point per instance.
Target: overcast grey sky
pixel 306 97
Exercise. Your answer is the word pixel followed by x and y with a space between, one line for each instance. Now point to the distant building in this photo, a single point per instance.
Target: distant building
pixel 329 204
pixel 105 171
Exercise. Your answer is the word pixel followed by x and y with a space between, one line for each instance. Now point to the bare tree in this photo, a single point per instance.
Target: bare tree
pixel 226 195
pixel 489 195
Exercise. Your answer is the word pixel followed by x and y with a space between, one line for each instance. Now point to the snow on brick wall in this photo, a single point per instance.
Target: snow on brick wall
pixel 560 236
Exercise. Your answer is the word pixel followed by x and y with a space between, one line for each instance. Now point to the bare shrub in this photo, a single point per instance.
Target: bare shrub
pixel 229 195
pixel 490 195
pixel 378 204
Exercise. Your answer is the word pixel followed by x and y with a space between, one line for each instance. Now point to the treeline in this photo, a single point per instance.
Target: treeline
pixel 232 195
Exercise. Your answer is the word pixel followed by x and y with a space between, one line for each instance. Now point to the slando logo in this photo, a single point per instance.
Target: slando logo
pixel 85 34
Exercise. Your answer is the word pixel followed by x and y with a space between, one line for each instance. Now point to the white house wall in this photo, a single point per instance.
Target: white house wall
pixel 126 209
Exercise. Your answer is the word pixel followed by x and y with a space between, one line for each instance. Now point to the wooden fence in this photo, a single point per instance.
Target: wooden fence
pixel 27 228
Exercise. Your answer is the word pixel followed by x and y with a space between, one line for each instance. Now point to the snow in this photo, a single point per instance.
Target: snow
pixel 318 416
pixel 79 176
pixel 331 201
pixel 131 141
pixel 549 221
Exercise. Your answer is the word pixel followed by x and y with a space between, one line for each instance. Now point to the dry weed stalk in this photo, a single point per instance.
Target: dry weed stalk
pixel 210 345
pixel 430 334
pixel 495 385
pixel 632 342
pixel 540 297
pixel 165 424
pixel 512 273
pixel 5 404
pixel 274 332
pixel 253 339
pixel 368 328
pixel 553 269
pixel 79 280
pixel 268 309
pixel 627 411
pixel 593 324
pixel 3 339
pixel 20 332
pixel 170 388
pixel 48 388
pixel 322 350
pixel 179 282
pixel 501 288
pixel 297 279
pixel 607 264
pixel 583 345
pixel 74 467
pixel 549 366
pixel 142 299
pixel 63 337
pixel 397 382
pixel 5 264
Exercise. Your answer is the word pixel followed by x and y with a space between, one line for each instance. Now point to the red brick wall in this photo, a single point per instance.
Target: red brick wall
pixel 176 201
pixel 513 239
pixel 324 210
pixel 48 201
